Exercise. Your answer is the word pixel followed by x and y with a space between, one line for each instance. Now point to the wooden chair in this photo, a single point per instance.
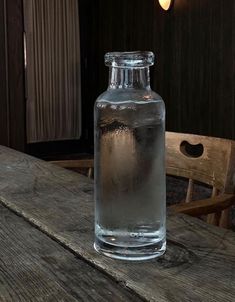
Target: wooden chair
pixel 207 160
pixel 84 166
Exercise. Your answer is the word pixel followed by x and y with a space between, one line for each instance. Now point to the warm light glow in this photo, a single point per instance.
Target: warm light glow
pixel 165 4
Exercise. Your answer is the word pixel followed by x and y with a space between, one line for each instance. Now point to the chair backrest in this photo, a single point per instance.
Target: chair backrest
pixel 84 166
pixel 205 159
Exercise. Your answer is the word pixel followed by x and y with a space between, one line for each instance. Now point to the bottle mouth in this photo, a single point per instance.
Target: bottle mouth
pixel 129 59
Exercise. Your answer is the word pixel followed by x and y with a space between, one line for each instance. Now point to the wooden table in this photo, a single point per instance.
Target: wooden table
pixel 46 246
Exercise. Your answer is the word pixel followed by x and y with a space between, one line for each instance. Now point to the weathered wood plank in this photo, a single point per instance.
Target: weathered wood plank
pixel 199 264
pixel 33 267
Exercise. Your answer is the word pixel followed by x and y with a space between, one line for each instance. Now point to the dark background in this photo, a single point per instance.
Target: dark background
pixel 194 72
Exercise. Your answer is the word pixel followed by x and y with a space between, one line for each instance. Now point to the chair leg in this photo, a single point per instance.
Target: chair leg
pixel 90 173
pixel 189 191
pixel 214 218
pixel 224 220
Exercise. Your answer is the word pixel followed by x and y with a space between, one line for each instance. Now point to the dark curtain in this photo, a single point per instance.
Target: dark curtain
pixel 52 61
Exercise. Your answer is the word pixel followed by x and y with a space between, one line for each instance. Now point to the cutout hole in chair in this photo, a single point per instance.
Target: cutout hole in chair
pixel 190 150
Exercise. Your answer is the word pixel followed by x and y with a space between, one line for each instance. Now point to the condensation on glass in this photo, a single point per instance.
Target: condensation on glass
pixel 130 161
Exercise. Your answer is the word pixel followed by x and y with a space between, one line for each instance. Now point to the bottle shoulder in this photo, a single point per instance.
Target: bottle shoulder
pixel 129 95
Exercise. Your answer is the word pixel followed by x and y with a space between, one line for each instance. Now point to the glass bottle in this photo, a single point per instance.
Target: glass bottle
pixel 130 161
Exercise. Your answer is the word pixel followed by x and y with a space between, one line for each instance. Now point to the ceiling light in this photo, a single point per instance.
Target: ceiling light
pixel 165 4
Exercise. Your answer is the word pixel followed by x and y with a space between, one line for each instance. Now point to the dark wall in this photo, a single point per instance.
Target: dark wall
pixel 12 100
pixel 194 44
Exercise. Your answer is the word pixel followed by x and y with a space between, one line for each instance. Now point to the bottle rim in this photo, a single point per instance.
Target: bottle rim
pixel 129 59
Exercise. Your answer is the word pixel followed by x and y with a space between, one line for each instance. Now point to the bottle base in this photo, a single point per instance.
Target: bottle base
pixel 138 253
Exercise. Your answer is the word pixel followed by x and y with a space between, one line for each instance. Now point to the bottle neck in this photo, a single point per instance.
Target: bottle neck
pixel 137 78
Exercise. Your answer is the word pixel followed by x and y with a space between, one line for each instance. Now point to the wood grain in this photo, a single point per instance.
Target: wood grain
pixel 33 267
pixel 199 264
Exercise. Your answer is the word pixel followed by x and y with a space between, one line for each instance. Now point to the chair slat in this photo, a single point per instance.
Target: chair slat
pixel 189 190
pixel 75 164
pixel 213 218
pixel 215 192
pixel 224 220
